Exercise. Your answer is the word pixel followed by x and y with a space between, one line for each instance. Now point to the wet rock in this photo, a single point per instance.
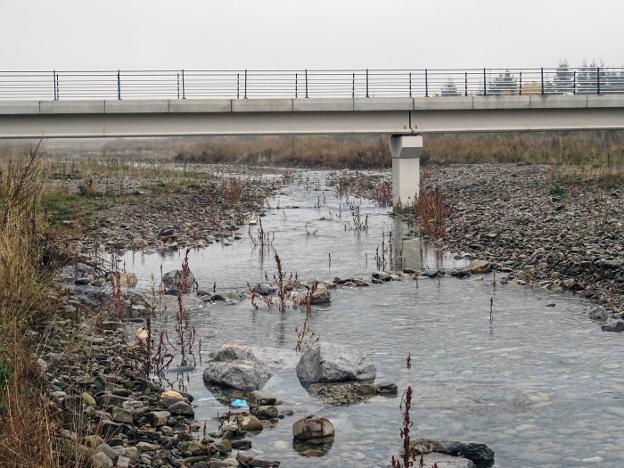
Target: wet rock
pixel 480 454
pixel 265 412
pixel 261 398
pixel 382 276
pixel 389 389
pixel 599 314
pixel 174 279
pixel 479 266
pixel 313 427
pixel 250 424
pixel 431 273
pixel 241 444
pixel 614 327
pixel 236 366
pixel 321 296
pixel 442 460
pixel 460 273
pixel 328 362
pixel 264 289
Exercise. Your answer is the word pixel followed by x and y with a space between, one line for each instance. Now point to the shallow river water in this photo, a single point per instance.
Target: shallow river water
pixel 542 386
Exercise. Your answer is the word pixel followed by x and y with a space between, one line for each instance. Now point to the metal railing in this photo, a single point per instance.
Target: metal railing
pixel 360 83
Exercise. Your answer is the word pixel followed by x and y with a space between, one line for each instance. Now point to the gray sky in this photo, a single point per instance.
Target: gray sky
pixel 92 34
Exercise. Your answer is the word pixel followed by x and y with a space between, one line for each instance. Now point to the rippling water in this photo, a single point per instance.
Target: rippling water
pixel 542 386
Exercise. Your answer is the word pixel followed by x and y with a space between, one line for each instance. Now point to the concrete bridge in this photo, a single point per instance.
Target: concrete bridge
pixel 315 108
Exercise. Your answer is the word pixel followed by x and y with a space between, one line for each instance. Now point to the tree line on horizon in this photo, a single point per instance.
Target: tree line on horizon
pixel 564 80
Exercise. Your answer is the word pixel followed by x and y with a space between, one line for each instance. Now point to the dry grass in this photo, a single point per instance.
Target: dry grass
pixel 431 210
pixel 26 428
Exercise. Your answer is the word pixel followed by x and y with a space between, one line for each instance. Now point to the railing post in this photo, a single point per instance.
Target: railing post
pixel 306 83
pixel 367 82
pixel 296 85
pixel 520 88
pixel 574 83
pixel 178 84
pixel 410 84
pixel 484 82
pixel 118 84
pixel 183 86
pixel 238 86
pixel 426 83
pixel 465 83
pixel 598 80
pixel 55 94
pixel 353 87
pixel 245 93
pixel 542 78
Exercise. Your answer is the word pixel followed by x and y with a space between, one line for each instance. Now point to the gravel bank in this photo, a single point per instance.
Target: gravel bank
pixel 558 235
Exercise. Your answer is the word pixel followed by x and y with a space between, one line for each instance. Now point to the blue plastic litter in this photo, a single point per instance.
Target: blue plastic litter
pixel 239 404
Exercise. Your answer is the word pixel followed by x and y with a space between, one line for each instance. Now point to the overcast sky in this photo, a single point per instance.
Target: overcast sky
pixel 110 34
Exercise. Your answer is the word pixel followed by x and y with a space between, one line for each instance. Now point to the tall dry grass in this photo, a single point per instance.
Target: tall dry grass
pixel 26 427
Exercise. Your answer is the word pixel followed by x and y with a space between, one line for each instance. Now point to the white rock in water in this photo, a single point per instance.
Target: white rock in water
pixel 236 366
pixel 328 362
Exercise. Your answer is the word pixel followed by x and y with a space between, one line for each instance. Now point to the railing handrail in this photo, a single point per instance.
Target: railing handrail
pixel 302 83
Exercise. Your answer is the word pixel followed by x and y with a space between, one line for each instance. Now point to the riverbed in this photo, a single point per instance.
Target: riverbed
pixel 539 383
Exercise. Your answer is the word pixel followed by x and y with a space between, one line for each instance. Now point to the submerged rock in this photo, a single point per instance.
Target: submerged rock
pixel 328 362
pixel 614 327
pixel 480 454
pixel 236 366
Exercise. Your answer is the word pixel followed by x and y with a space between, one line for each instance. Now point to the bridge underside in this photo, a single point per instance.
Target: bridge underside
pixel 332 122
pixel 393 116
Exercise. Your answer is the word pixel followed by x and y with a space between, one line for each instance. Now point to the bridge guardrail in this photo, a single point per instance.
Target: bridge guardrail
pixel 353 83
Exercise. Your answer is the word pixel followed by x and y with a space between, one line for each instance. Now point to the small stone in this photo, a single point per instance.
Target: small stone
pixel 158 418
pixel 250 424
pixel 147 447
pixel 181 408
pixel 261 398
pixel 242 444
pixel 101 460
pixel 121 415
pixel 265 412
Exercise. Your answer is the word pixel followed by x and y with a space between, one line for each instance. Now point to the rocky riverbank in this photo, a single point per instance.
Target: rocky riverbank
pixel 546 231
pixel 153 208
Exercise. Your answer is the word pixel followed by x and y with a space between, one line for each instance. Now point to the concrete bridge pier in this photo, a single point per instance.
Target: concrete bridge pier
pixel 406 150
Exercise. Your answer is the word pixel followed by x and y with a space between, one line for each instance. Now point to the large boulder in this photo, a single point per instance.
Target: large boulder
pixel 174 279
pixel 328 362
pixel 236 366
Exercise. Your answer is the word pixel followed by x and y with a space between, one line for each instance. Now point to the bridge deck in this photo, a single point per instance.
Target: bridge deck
pixel 101 118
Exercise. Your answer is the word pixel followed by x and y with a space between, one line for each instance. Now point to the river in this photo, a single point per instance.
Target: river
pixel 539 384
